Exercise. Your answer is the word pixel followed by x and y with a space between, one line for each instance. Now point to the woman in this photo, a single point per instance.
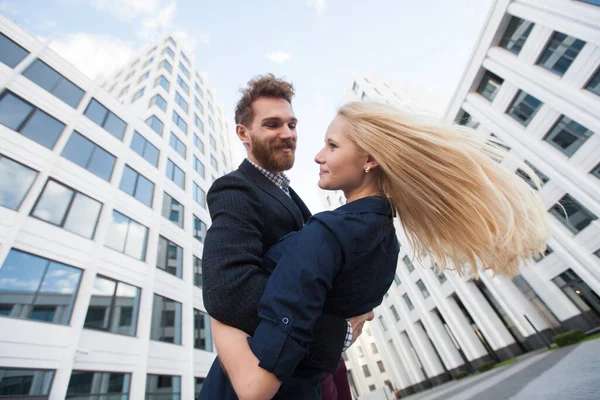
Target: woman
pixel 453 201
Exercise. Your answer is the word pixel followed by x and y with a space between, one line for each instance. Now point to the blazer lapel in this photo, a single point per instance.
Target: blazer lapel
pixel 269 187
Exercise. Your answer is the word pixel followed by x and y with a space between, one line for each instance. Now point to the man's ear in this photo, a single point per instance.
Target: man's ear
pixel 243 134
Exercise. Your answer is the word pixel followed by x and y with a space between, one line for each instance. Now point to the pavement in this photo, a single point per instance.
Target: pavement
pixel 569 373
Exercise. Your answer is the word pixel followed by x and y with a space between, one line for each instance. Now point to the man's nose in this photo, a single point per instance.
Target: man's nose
pixel 286 133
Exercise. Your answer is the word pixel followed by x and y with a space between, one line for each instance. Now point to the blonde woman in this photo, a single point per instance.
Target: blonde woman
pixel 456 205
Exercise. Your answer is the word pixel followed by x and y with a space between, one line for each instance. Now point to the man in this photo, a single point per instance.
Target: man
pixel 251 209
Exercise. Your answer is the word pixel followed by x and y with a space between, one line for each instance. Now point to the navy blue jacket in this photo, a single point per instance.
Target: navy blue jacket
pixel 342 262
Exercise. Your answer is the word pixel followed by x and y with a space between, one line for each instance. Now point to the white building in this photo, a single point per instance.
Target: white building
pixel 534 82
pixel 102 219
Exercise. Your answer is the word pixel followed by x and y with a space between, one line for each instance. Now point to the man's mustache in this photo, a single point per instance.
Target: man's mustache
pixel 285 144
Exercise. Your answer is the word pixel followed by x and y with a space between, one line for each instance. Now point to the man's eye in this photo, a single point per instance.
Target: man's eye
pixel 292 126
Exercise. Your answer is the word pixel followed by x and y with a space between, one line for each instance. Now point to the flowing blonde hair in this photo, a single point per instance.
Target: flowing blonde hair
pixel 454 202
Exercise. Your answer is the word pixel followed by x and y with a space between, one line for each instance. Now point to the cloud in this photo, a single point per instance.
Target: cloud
pixel 162 18
pixel 94 55
pixel 279 57
pixel 318 5
pixel 127 10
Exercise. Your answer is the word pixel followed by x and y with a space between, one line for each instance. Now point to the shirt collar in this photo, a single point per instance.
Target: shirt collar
pixel 280 180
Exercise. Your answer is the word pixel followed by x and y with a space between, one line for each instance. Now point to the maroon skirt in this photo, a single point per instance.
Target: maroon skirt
pixel 336 387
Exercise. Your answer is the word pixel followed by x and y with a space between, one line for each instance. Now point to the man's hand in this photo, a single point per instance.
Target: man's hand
pixel 358 322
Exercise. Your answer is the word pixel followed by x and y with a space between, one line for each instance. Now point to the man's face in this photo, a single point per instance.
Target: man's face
pixel 272 134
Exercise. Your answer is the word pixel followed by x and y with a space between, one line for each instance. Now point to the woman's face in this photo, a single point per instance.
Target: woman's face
pixel 341 161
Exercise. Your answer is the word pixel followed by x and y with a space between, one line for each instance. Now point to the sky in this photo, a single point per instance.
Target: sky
pixel 319 45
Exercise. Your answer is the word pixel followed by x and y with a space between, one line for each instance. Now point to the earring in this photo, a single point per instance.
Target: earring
pixel 367 170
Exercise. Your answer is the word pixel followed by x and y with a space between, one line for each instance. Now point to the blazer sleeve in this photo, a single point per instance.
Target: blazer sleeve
pixel 295 295
pixel 233 278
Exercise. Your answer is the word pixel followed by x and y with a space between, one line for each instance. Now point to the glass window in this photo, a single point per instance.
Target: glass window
pixel 199 90
pixel 106 119
pixel 175 174
pixel 199 229
pixel 184 86
pixel 144 148
pixel 199 195
pixel 172 210
pixel 15 183
pixel 516 34
pixel 171 41
pixel 423 289
pixel 441 277
pixel 166 65
pixel 198 123
pixel 89 155
pixel 144 76
pixel 127 236
pixel 199 144
pixel 199 167
pixel 524 107
pixel 22 383
pixel 177 145
pixel 180 122
pixel 181 102
pixel 198 105
pixel 464 118
pixel 577 216
pixel 212 141
pixel 163 387
pixel 489 85
pixel 137 185
pixel 567 135
pixel 148 62
pixel 31 122
pixel 409 264
pixel 123 91
pixel 162 81
pixel 185 59
pixel 214 163
pixel 47 78
pixel 11 53
pixel 210 107
pixel 397 280
pixel 594 83
pixel 114 307
pixel 595 172
pixel 374 349
pixel 560 53
pixel 543 178
pixel 90 385
pixel 395 313
pixel 184 70
pixel 224 159
pixel 202 334
pixel 138 94
pixel 409 303
pixel 198 383
pixel 170 257
pixel 159 101
pixel 539 257
pixel 211 123
pixel 156 124
pixel 366 371
pixel 380 366
pixel 382 322
pixel 169 52
pixel 166 320
pixel 197 272
pixel 68 209
pixel 35 288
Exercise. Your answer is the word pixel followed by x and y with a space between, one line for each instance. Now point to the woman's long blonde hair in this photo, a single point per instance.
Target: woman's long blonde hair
pixel 454 202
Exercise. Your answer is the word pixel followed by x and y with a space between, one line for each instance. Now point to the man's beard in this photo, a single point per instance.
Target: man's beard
pixel 271 158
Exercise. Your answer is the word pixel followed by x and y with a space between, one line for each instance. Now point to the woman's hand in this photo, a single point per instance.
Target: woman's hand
pixel 249 381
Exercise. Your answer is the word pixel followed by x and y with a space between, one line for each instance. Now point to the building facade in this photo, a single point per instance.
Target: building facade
pixel 533 84
pixel 102 221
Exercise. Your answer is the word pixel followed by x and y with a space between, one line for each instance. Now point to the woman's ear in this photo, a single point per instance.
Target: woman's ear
pixel 371 163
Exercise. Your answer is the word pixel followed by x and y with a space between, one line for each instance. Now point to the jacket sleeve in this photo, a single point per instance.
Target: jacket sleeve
pixel 295 295
pixel 233 278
